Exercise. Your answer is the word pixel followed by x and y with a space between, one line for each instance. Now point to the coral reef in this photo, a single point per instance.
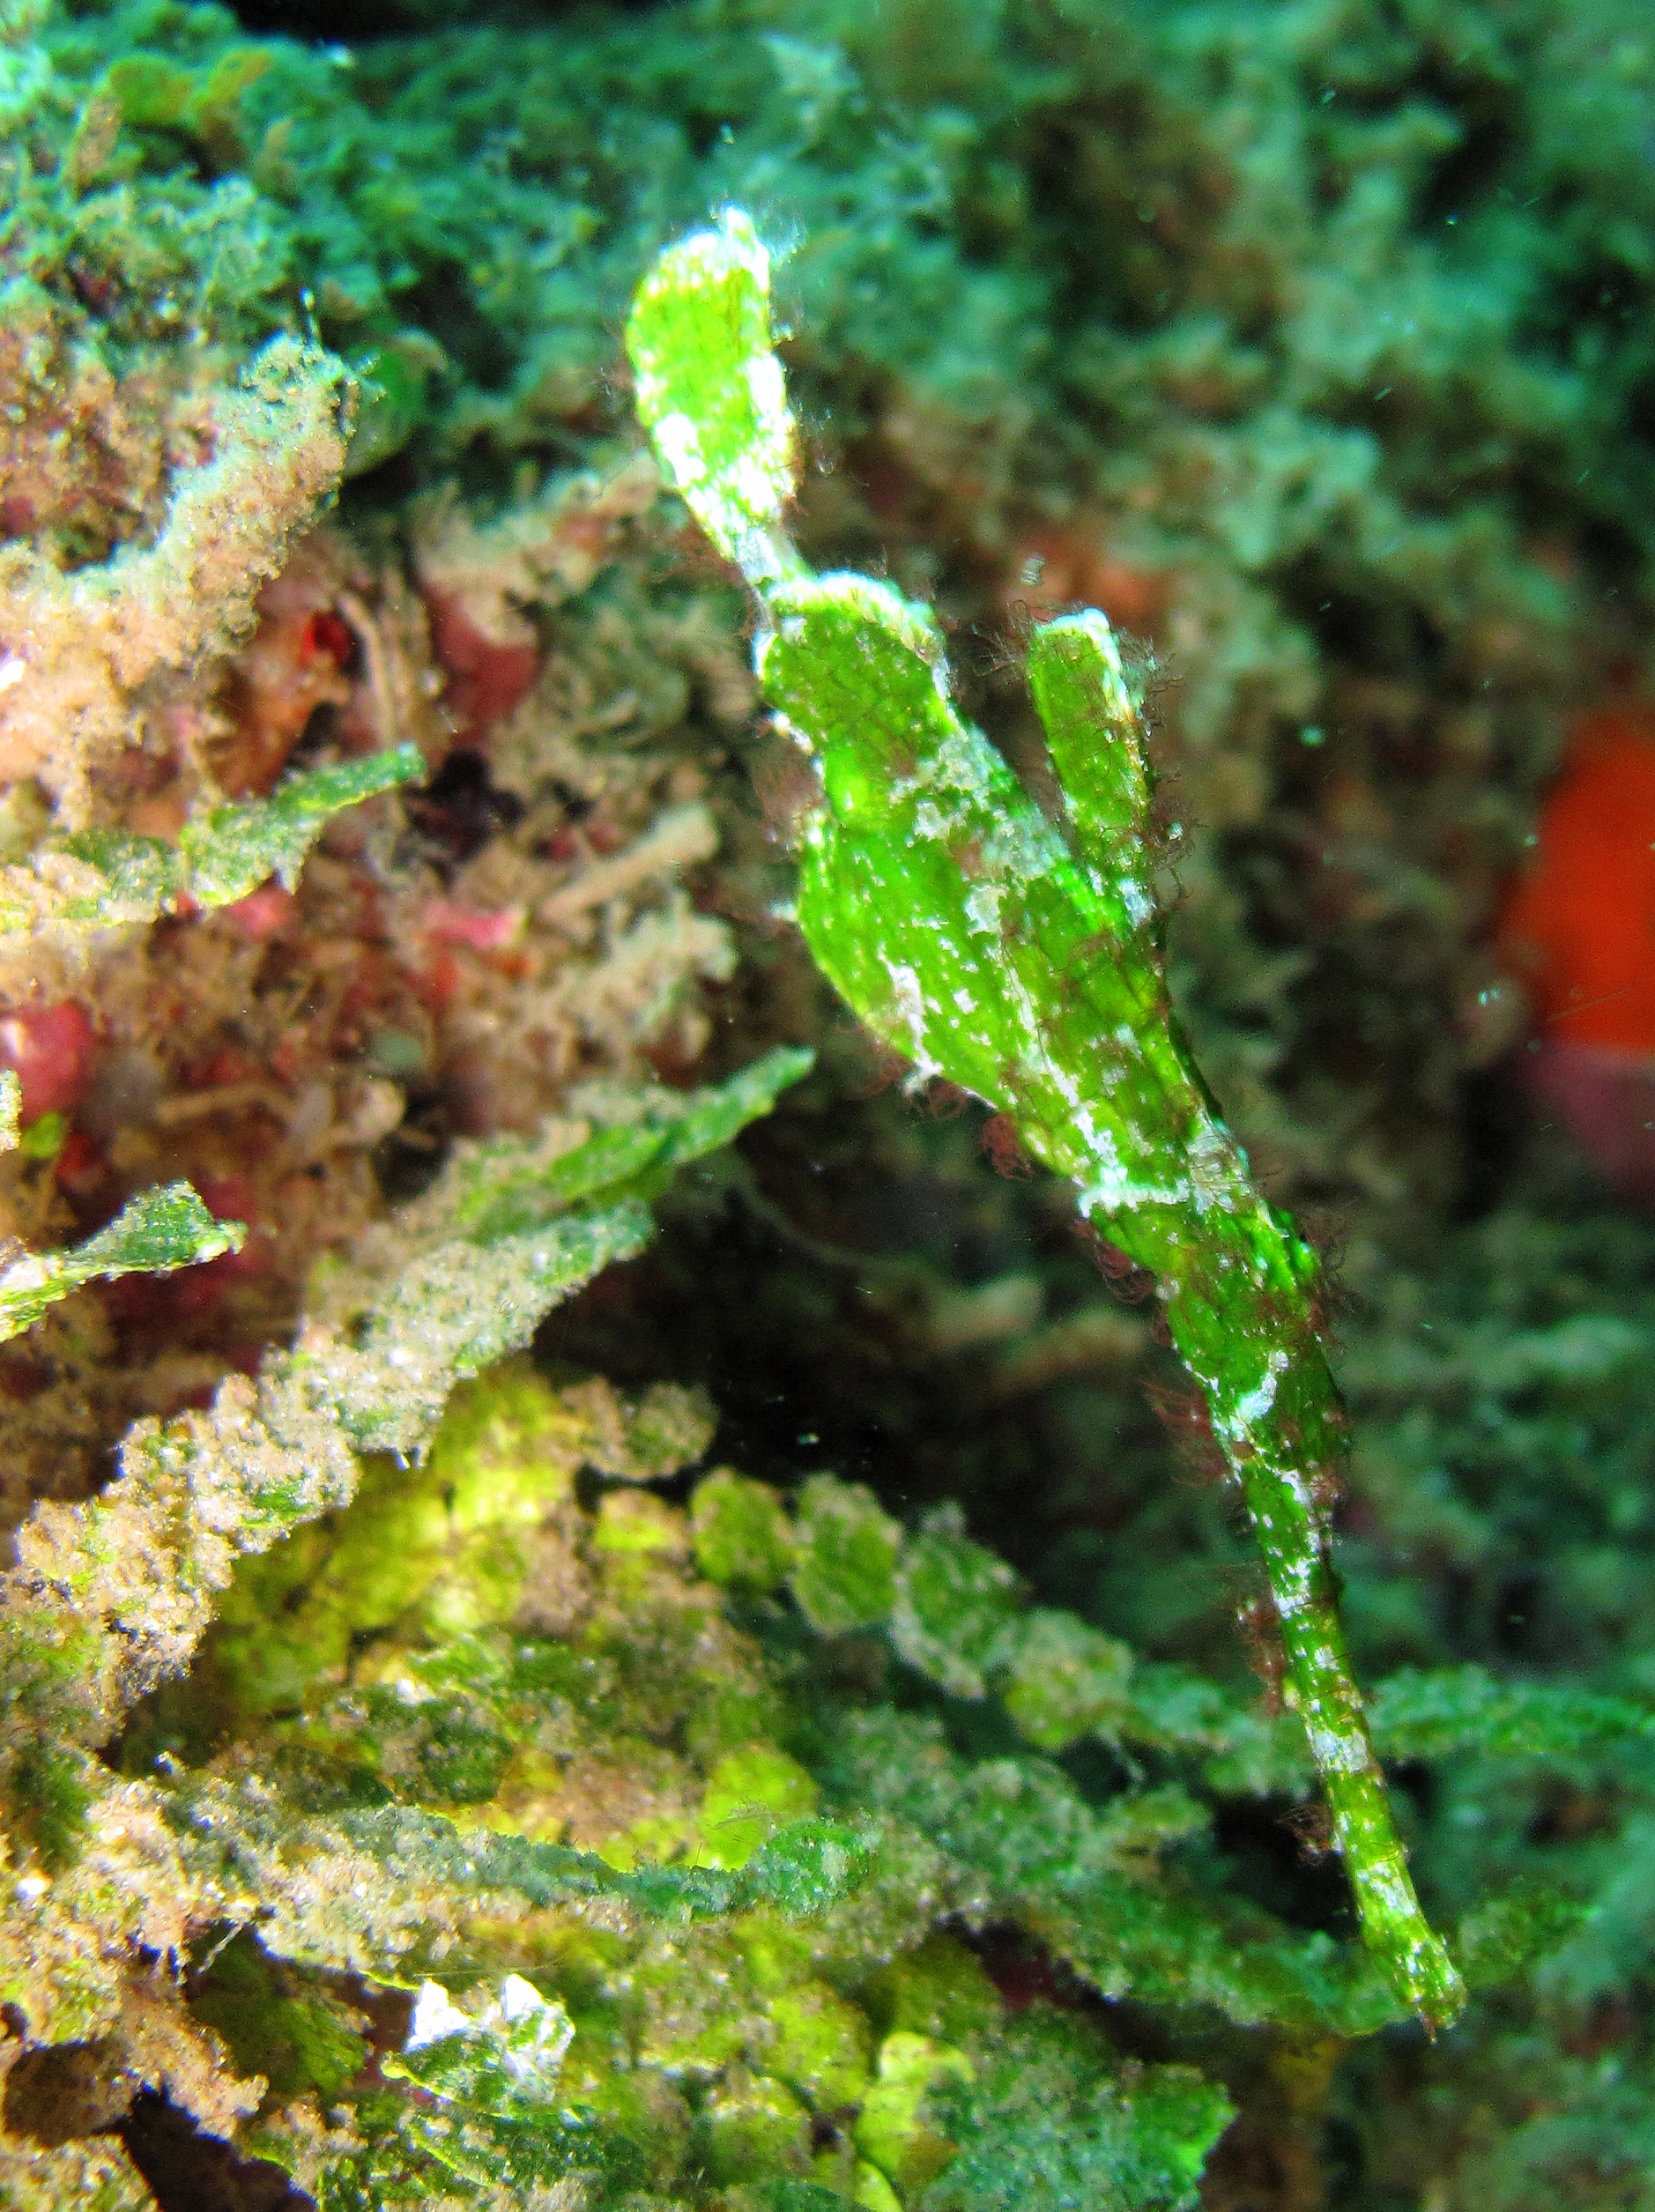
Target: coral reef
pixel 866 1799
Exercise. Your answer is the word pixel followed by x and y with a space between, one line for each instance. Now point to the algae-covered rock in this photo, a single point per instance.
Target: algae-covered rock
pixel 686 2038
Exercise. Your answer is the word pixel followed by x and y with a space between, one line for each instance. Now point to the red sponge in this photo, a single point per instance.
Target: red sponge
pixel 1579 930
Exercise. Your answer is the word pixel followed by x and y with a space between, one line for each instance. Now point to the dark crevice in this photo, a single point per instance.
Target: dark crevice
pixel 189 2170
pixel 363 21
pixel 460 809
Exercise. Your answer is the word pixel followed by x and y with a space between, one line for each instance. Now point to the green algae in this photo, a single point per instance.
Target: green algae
pixel 154 1234
pixel 761 1912
pixel 684 1726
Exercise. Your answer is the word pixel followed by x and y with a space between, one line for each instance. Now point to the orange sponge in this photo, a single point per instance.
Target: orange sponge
pixel 1579 926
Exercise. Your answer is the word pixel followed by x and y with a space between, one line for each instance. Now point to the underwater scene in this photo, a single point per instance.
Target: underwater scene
pixel 827 1106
